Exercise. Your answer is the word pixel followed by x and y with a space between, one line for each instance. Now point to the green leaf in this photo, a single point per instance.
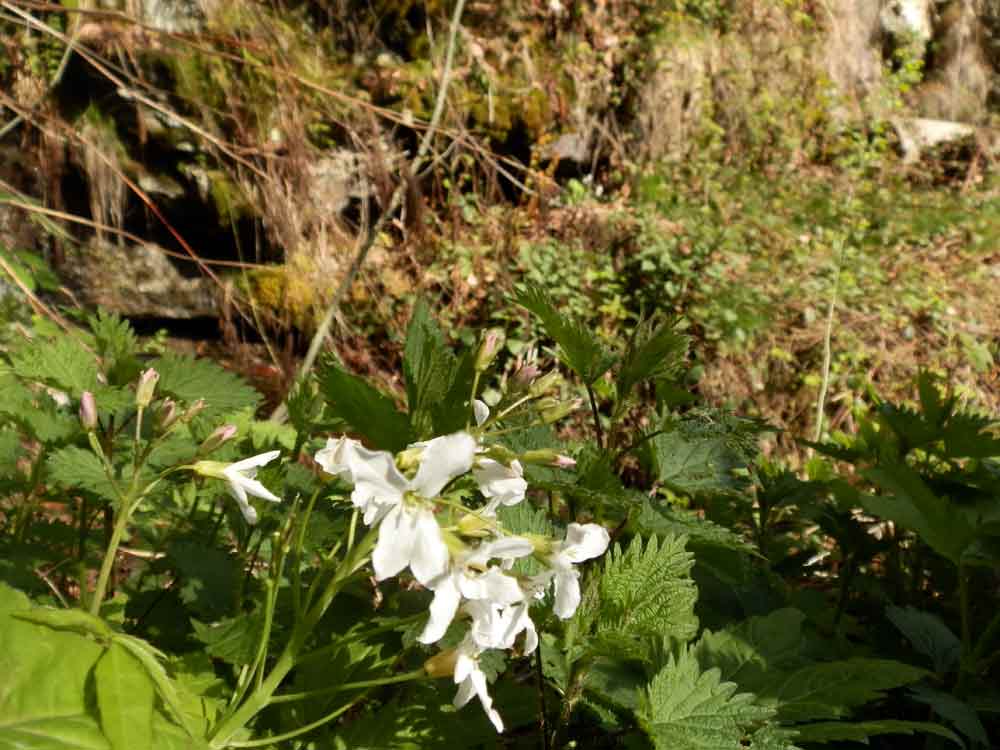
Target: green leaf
pixel 74 467
pixel 234 640
pixel 45 672
pixel 74 620
pixel 209 576
pixel 656 351
pixel 841 731
pixel 367 411
pixel 188 379
pixel 959 713
pixel 687 709
pixel 124 699
pixel 928 635
pixel 428 369
pixel 648 591
pixel 116 346
pixel 581 349
pixel 62 362
pixel 665 520
pixel 706 453
pixel 915 507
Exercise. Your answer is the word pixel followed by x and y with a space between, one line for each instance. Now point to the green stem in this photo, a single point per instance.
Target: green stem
pixel 418 674
pixel 963 593
pixel 272 740
pixel 109 558
pixel 597 418
pixel 986 638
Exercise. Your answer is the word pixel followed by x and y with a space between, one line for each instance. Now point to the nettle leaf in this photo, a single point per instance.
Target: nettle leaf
pixel 62 362
pixel 706 453
pixel 43 701
pixel 429 368
pixel 451 413
pixel 363 408
pixel 74 467
pixel 845 731
pixel 124 699
pixel 665 520
pixel 656 351
pixel 929 635
pixel 36 413
pixel 582 351
pixel 915 507
pixel 687 709
pixel 647 591
pixel 188 379
pixel 116 346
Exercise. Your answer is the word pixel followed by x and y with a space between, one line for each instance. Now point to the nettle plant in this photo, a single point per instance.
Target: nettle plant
pixel 179 574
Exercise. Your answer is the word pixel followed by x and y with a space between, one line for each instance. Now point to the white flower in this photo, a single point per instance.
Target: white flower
pixel 241 481
pixel 470 578
pixel 409 533
pixel 480 410
pixel 583 542
pixel 501 485
pixel 471 681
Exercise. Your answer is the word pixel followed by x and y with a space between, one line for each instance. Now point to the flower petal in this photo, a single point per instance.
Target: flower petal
pixel 378 484
pixel 480 411
pixel 396 538
pixel 584 541
pixel 443 459
pixel 248 511
pixel 503 485
pixel 254 461
pixel 254 488
pixel 430 556
pixel 567 591
pixel 442 610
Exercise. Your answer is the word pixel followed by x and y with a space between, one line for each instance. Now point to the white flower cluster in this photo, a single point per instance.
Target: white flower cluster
pixel 466 563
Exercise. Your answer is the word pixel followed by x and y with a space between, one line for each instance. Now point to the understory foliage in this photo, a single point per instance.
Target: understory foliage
pixel 644 580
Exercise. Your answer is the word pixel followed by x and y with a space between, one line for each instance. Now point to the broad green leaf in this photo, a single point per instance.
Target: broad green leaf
pixel 705 453
pixel 915 507
pixel 647 591
pixel 75 467
pixel 687 709
pixel 75 620
pixel 124 699
pixel 845 731
pixel 428 369
pixel 234 640
pixel 656 351
pixel 62 362
pixel 928 635
pixel 581 349
pixel 43 703
pixel 830 690
pixel 365 410
pixel 188 379
pixel 955 710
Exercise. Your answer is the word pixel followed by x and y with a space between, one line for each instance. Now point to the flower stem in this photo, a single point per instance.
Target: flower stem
pixel 109 558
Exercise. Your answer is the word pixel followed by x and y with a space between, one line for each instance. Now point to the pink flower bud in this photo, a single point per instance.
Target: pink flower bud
pixel 525 376
pixel 146 387
pixel 216 439
pixel 168 414
pixel 194 410
pixel 492 341
pixel 88 411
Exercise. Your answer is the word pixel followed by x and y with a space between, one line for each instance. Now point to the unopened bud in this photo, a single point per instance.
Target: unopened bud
pixel 548 457
pixel 88 411
pixel 556 412
pixel 474 525
pixel 167 415
pixel 545 383
pixel 194 410
pixel 525 376
pixel 500 454
pixel 492 341
pixel 442 664
pixel 147 385
pixel 221 435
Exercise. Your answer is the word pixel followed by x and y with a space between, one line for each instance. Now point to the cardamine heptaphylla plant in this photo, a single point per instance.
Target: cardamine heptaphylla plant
pixel 520 533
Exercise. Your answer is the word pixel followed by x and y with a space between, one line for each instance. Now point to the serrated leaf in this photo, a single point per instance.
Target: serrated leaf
pixel 61 362
pixel 208 576
pixel 367 411
pixel 116 346
pixel 656 351
pixel 915 507
pixel 581 349
pixel 234 640
pixel 665 520
pixel 188 379
pixel 844 731
pixel 687 709
pixel 928 635
pixel 956 711
pixel 43 691
pixel 705 453
pixel 428 370
pixel 124 699
pixel 74 467
pixel 647 591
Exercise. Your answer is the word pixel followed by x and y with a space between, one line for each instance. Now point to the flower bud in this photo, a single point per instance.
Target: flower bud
pixel 553 413
pixel 545 383
pixel 525 376
pixel 492 341
pixel 147 385
pixel 474 525
pixel 167 415
pixel 442 664
pixel 194 410
pixel 221 435
pixel 548 457
pixel 88 411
